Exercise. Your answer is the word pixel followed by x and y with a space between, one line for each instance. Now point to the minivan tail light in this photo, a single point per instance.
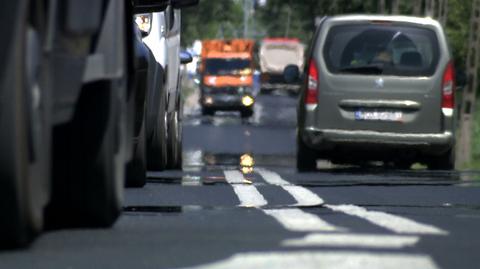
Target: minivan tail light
pixel 312 90
pixel 448 87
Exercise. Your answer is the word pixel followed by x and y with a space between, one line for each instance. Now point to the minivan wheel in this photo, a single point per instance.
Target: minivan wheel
pixel 306 157
pixel 88 166
pixel 403 165
pixel 445 161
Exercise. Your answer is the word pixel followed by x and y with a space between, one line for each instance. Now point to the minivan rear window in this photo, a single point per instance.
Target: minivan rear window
pixel 367 49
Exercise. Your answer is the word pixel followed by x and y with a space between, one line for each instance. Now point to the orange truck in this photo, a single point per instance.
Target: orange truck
pixel 226 76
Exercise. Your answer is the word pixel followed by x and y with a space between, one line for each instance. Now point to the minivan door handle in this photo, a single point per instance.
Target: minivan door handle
pixel 395 104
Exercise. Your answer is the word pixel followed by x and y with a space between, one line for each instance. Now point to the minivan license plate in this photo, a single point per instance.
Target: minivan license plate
pixel 379 115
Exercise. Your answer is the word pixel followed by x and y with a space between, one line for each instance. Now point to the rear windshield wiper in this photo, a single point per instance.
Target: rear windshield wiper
pixel 365 69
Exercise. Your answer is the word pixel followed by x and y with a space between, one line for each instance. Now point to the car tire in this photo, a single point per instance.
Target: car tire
pixel 445 161
pixel 306 157
pixel 88 166
pixel 136 176
pixel 174 141
pixel 24 137
pixel 246 113
pixel 157 144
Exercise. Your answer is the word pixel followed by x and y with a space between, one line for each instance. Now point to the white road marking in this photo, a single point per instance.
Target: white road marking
pixel 296 220
pixel 391 222
pixel 324 259
pixel 304 196
pixel 248 195
pixel 234 177
pixel 353 240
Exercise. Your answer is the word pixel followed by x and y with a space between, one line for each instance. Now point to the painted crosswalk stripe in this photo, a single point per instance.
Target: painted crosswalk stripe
pixel 391 222
pixel 324 259
pixel 234 177
pixel 296 220
pixel 303 196
pixel 248 195
pixel 353 240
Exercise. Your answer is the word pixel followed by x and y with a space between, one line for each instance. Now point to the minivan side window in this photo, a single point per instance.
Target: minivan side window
pixel 381 49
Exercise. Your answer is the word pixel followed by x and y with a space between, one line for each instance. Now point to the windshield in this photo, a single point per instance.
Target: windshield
pixel 381 49
pixel 228 67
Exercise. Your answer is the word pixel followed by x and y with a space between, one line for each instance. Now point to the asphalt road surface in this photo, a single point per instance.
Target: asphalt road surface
pixel 239 203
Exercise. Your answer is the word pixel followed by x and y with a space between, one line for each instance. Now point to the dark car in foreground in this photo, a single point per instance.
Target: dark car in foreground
pixel 377 88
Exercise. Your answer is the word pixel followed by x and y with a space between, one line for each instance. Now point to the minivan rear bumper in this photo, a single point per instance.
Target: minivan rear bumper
pixel 328 139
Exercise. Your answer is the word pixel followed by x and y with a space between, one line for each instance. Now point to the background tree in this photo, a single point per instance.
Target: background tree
pixel 212 19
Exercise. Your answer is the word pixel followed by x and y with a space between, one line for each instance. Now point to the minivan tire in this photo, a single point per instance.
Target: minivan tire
pixel 306 157
pixel 445 161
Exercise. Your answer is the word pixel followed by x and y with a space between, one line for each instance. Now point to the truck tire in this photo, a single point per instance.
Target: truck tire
pixel 157 143
pixel 175 141
pixel 136 176
pixel 24 141
pixel 88 169
pixel 207 111
pixel 306 157
pixel 246 112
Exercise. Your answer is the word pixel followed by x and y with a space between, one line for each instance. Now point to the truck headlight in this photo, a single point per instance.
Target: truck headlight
pixel 144 22
pixel 247 100
pixel 208 100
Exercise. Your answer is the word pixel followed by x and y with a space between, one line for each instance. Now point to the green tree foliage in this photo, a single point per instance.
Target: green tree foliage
pixel 212 19
pixel 224 18
pixel 458 27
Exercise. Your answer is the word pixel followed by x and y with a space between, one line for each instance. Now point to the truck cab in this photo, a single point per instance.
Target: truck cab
pixel 226 73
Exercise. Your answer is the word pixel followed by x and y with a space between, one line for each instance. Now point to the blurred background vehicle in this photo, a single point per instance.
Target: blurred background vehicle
pixel 145 67
pixel 274 55
pixel 377 88
pixel 226 76
pixel 164 105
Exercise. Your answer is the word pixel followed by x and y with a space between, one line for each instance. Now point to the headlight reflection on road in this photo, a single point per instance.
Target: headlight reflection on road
pixel 247 162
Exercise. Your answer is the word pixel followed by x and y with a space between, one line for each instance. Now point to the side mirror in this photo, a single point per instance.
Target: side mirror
pixel 185 57
pixel 144 23
pixel 291 73
pixel 183 3
pixel 146 6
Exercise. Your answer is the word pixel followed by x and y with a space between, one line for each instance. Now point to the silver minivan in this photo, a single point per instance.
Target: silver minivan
pixel 377 88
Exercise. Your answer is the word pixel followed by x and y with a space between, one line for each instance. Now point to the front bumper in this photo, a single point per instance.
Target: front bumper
pixel 225 102
pixel 330 139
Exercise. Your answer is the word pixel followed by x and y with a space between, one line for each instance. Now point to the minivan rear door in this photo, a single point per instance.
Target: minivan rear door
pixel 382 77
